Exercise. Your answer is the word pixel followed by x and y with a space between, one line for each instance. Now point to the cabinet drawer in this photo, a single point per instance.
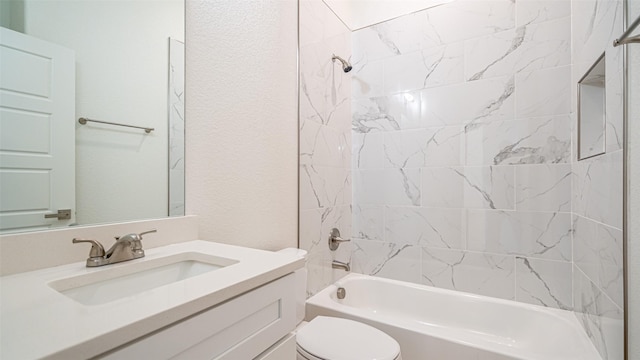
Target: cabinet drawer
pixel 240 328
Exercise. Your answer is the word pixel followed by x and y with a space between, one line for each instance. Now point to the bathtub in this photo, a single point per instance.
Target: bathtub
pixel 432 323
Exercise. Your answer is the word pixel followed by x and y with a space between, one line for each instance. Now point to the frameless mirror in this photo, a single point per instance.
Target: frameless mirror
pixel 591 111
pixel 113 61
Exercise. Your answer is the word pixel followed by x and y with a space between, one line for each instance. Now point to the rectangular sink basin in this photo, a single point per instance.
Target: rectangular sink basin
pixel 130 278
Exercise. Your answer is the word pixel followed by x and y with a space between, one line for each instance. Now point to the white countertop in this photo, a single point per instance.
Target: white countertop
pixel 39 322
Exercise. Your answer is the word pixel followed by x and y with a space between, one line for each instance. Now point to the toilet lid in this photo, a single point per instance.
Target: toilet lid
pixel 341 339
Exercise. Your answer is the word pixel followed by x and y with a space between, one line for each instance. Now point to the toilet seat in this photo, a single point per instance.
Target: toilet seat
pixel 329 338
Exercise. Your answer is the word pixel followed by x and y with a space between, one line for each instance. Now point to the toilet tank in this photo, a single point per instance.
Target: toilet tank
pixel 300 281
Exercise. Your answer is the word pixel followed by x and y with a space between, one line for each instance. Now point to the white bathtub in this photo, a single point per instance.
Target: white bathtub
pixel 432 323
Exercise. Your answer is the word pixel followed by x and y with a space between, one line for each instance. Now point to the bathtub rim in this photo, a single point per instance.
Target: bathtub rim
pixel 326 299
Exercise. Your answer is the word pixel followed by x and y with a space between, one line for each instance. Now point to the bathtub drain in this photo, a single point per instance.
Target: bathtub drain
pixel 341 293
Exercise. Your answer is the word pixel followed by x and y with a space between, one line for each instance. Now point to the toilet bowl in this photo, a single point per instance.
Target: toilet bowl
pixel 330 338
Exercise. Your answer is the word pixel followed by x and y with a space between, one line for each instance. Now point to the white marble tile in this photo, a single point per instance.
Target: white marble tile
pixel 424 147
pixel 368 222
pixel 309 234
pixel 442 187
pixel 318 22
pixel 543 187
pixel 597 192
pixel 367 79
pixel 543 92
pixel 432 67
pixel 387 187
pixel 387 260
pixel 484 274
pixel 176 128
pixel 367 150
pixel 601 319
pixel 324 146
pixel 544 282
pixel 470 187
pixel 438 228
pixel 445 146
pixel 595 24
pixel 477 101
pixel 176 193
pixel 531 234
pixel 379 41
pixel 395 112
pixel 325 88
pixel 395 37
pixel 479 18
pixel 322 186
pixel 404 149
pixel 315 227
pixel 317 273
pixel 310 227
pixel 614 99
pixel 535 11
pixel 526 48
pixel 543 140
pixel 598 253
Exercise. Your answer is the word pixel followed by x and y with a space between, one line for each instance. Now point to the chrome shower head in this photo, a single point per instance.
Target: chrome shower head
pixel 346 67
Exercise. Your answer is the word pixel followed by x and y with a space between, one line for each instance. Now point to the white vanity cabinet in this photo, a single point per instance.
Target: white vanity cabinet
pixel 191 300
pixel 240 328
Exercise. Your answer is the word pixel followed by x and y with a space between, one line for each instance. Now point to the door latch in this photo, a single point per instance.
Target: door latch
pixel 64 214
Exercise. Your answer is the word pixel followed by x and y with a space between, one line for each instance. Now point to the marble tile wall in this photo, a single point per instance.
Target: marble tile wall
pixel 176 127
pixel 325 141
pixel 458 169
pixel 462 149
pixel 597 184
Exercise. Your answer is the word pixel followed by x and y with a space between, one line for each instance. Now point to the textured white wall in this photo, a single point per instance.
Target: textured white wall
pixel 241 154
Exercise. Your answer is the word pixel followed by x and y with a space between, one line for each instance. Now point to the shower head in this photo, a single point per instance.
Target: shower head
pixel 346 67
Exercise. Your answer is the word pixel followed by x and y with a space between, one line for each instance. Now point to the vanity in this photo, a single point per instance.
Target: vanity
pixel 189 300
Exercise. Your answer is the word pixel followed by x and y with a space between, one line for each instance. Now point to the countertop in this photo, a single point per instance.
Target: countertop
pixel 39 322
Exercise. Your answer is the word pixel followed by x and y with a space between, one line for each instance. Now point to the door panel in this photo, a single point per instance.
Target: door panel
pixel 37 132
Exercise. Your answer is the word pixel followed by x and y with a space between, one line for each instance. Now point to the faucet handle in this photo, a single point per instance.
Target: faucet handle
pixel 136 237
pixel 147 232
pixel 96 254
pixel 138 252
pixel 335 239
pixel 96 248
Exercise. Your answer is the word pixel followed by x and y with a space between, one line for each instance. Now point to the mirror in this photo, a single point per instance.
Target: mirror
pixel 129 69
pixel 591 111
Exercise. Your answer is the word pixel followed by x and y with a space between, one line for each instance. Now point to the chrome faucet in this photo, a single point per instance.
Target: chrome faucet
pixel 127 247
pixel 340 265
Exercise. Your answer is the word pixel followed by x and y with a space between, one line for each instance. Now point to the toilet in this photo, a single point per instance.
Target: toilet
pixel 331 338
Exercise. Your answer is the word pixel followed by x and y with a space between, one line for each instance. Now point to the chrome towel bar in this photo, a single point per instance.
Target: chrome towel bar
pixel 624 38
pixel 83 121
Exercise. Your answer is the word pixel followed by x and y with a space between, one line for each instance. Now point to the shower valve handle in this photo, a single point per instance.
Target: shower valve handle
pixel 335 239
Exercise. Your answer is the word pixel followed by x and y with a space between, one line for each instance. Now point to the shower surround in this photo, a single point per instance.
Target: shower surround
pixel 462 149
pixel 325 140
pixel 459 168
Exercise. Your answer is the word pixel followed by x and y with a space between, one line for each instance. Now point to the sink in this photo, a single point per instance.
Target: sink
pixel 128 279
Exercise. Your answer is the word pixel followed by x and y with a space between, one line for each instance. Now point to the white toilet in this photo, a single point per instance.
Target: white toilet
pixel 331 338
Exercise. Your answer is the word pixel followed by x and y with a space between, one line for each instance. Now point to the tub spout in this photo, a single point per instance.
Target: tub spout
pixel 340 265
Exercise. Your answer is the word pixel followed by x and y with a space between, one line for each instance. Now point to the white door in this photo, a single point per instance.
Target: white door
pixel 37 132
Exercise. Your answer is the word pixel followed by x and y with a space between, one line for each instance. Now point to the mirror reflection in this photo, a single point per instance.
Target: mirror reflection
pixel 112 61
